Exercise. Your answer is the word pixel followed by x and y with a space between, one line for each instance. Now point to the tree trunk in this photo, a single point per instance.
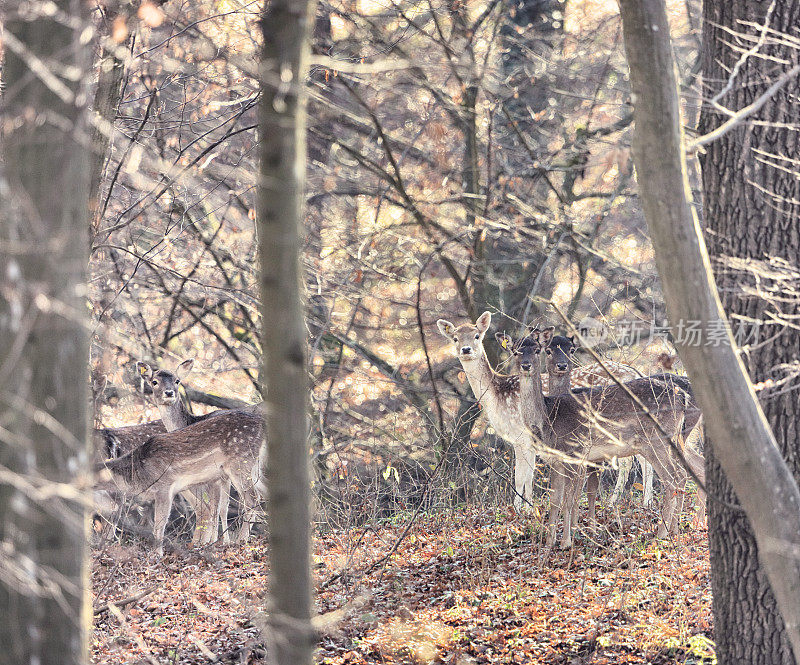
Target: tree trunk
pixel 44 600
pixel 286 27
pixel 742 440
pixel 752 211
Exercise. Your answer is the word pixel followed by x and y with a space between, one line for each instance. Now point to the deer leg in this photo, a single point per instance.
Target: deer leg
pixel 624 470
pixel 530 480
pixel 222 510
pixel 206 498
pixel 673 480
pixel 161 510
pixel 697 465
pixel 520 477
pixel 576 503
pixel 647 480
pixel 248 498
pixel 592 489
pixel 557 491
pixel 572 490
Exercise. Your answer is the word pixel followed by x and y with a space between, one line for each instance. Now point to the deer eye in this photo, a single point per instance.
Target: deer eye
pixel 477 336
pixel 549 352
pixel 177 382
pixel 155 382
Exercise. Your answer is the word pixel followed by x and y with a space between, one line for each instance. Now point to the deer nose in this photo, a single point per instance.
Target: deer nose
pixel 466 349
pixel 562 366
pixel 525 366
pixel 169 393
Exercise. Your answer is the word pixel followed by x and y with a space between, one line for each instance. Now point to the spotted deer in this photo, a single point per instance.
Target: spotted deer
pixel 224 448
pixel 175 415
pixel 564 374
pixel 499 396
pixel 597 424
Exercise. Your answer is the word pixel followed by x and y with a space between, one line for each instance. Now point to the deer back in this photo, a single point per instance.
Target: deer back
pixel 194 454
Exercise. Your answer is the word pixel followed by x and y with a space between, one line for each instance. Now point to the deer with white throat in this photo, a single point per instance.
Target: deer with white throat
pixel 499 395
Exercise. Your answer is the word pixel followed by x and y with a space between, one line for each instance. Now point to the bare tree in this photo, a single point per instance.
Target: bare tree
pixel 286 26
pixel 43 401
pixel 743 443
pixel 754 243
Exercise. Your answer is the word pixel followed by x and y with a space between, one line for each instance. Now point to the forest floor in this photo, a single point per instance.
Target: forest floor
pixel 462 588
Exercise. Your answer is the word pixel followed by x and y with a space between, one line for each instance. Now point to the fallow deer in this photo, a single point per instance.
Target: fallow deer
pixel 594 425
pixel 564 375
pixel 560 354
pixel 175 415
pixel 499 396
pixel 226 447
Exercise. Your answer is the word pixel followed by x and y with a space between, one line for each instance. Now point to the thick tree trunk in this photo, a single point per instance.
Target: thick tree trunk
pixel 43 402
pixel 752 211
pixel 742 440
pixel 286 27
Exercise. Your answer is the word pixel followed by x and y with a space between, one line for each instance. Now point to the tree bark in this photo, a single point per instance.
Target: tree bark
pixel 754 216
pixel 44 600
pixel 286 27
pixel 742 440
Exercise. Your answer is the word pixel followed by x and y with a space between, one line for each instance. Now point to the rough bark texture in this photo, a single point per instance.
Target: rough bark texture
pixel 743 441
pixel 752 210
pixel 286 27
pixel 43 402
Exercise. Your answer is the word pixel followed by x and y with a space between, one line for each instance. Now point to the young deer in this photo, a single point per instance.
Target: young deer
pixel 175 415
pixel 499 396
pixel 226 447
pixel 596 424
pixel 564 375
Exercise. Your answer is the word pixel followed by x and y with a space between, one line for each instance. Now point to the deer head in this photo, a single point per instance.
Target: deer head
pixel 165 384
pixel 527 349
pixel 467 339
pixel 560 355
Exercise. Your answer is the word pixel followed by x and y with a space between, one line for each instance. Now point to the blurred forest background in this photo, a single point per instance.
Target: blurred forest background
pixel 462 156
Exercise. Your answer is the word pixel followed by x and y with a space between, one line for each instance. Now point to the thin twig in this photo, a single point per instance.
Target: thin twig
pixel 744 113
pixel 125 601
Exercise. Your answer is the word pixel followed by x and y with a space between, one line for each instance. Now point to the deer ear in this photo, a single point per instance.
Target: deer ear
pixel 184 368
pixel 144 369
pixel 504 340
pixel 446 328
pixel 483 322
pixel 546 335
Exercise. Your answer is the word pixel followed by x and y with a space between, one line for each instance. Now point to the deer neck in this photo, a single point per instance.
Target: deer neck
pixel 534 411
pixel 499 396
pixel 559 383
pixel 176 415
pixel 482 379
